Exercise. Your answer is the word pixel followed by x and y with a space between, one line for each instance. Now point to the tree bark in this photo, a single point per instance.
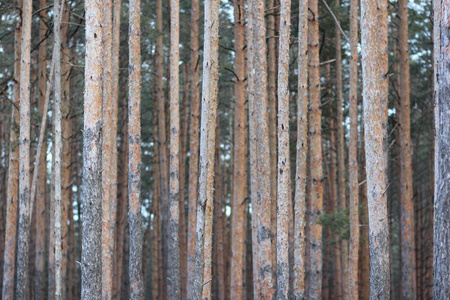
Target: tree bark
pixel 207 147
pixel 91 268
pixel 239 192
pixel 441 211
pixel 12 193
pixel 315 136
pixel 353 156
pixel 193 147
pixel 301 151
pixel 109 150
pixel 406 177
pixel 39 280
pixel 261 220
pixel 58 152
pixel 374 32
pixel 284 201
pixel 24 156
pixel 134 154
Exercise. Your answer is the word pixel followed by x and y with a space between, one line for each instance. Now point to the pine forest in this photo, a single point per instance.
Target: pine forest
pixel 224 149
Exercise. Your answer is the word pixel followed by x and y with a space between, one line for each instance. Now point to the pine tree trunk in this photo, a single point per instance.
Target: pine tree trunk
pixel 134 154
pixel 239 192
pixel 441 213
pixel 261 220
pixel 109 152
pixel 272 107
pixel 301 151
pixel 284 201
pixel 173 274
pixel 353 157
pixel 12 193
pixel 92 212
pixel 207 147
pixel 315 135
pixel 406 177
pixel 24 156
pixel 340 149
pixel 39 279
pixel 193 147
pixel 58 152
pixel 374 31
pixel 183 156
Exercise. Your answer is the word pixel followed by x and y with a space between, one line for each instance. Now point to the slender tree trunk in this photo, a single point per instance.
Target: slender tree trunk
pixel 173 274
pixel 218 224
pixel 406 176
pixel 12 193
pixel 441 213
pixel 301 151
pixel 207 147
pixel 341 154
pixel 284 201
pixel 91 268
pixel 58 153
pixel 193 147
pixel 162 133
pixel 24 156
pixel 315 135
pixel 239 192
pixel 134 154
pixel 39 280
pixel 272 107
pixel 183 156
pixel 109 152
pixel 374 31
pixel 353 156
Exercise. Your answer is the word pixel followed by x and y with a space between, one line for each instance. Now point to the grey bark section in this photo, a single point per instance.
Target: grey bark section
pixel 442 202
pixel 91 267
pixel 207 134
pixel 24 158
pixel 134 154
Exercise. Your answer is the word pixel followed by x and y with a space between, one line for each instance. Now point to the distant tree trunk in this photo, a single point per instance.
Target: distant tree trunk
pixel 134 154
pixel 340 149
pixel 193 147
pixel 173 274
pixel 301 151
pixel 353 157
pixel 39 278
pixel 109 152
pixel 261 220
pixel 207 147
pixel 239 192
pixel 58 152
pixel 284 201
pixel 272 107
pixel 91 268
pixel 315 136
pixel 183 155
pixel 406 177
pixel 24 156
pixel 374 31
pixel 121 205
pixel 218 224
pixel 12 193
pixel 162 141
pixel 441 212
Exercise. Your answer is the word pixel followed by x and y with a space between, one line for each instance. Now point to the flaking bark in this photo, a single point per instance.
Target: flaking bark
pixel 207 146
pixel 284 171
pixel 374 35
